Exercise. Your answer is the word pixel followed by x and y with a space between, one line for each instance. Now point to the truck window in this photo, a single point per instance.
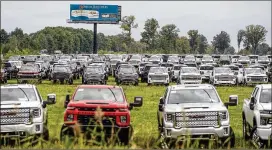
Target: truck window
pixel 256 94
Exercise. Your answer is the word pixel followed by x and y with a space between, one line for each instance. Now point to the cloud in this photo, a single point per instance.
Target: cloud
pixel 208 17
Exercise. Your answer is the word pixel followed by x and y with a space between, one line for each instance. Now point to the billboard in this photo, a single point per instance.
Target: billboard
pixel 100 14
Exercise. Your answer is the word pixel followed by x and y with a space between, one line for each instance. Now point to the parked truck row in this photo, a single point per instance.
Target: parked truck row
pixel 194 110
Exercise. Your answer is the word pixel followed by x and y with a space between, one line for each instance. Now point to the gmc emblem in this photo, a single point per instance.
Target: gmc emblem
pixel 196 116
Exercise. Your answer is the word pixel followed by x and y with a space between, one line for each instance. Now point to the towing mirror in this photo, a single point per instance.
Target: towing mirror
pixel 161 104
pixel 138 102
pixel 67 100
pixel 233 101
pixel 51 99
pixel 251 103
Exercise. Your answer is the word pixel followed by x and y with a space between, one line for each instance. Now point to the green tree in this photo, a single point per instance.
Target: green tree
pixel 221 41
pixel 230 50
pixel 168 37
pixel 127 24
pixel 4 36
pixel 183 45
pixel 193 36
pixel 255 35
pixel 240 38
pixel 262 49
pixel 202 44
pixel 150 33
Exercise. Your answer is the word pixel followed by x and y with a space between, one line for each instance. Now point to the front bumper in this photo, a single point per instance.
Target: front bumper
pixel 128 80
pixel 221 132
pixel 265 134
pixel 107 129
pixel 21 130
pixel 190 81
pixel 216 82
pixel 158 81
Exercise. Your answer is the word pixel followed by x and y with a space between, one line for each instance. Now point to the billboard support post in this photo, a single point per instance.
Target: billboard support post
pixel 95 39
pixel 94 14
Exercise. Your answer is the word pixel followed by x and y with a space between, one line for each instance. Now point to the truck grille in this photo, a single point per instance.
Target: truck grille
pixel 90 120
pixel 224 78
pixel 158 77
pixel 196 119
pixel 191 77
pixel 61 75
pixel 15 116
pixel 256 78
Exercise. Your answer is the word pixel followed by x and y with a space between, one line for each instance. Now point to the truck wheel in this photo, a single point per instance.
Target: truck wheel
pixel 71 81
pixel 54 81
pixel 245 135
pixel 136 83
pixel 74 77
pixel 45 134
pixel 61 81
pixel 125 135
pixel 229 141
pixel 167 84
pixel 256 140
pixel 148 84
pixel 67 135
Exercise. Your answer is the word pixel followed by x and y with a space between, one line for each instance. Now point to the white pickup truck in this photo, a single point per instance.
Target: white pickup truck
pixel 257 116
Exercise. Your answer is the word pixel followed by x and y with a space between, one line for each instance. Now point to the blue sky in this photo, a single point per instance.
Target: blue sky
pixel 208 17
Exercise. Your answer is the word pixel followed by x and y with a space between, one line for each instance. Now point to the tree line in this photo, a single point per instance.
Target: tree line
pixel 154 39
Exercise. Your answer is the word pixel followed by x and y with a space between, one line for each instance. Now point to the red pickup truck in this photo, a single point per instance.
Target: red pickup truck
pixel 100 108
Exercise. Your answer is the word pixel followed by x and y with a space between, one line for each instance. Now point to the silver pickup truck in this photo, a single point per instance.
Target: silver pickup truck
pixel 257 116
pixel 23 112
pixel 194 110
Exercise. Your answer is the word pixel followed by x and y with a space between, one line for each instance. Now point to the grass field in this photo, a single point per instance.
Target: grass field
pixel 143 119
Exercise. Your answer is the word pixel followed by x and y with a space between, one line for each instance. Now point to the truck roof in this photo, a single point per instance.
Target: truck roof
pixel 265 86
pixel 18 86
pixel 98 86
pixel 191 86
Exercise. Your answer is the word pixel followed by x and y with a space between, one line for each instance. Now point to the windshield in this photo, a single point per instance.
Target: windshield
pixel 127 70
pixel 206 68
pixel 244 58
pixel 60 69
pixel 233 67
pixel 22 94
pixel 222 70
pixel 189 58
pixel 253 70
pixel 224 57
pixel 266 96
pixel 64 57
pixel 94 70
pixel 192 96
pixel 135 57
pixel 7 65
pixel 157 70
pixel 263 58
pixel 29 68
pixel 189 70
pixel 206 58
pixel 100 94
pixel 178 67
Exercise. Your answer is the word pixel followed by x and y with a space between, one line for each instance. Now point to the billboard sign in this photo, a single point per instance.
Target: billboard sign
pixel 101 14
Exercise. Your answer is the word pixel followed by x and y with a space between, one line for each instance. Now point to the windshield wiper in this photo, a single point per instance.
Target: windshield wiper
pixel 211 100
pixel 113 94
pixel 24 93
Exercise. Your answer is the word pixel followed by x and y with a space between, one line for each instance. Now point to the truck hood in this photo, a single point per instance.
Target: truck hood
pixel 188 107
pixel 190 74
pixel 19 104
pixel 266 106
pixel 97 103
pixel 257 75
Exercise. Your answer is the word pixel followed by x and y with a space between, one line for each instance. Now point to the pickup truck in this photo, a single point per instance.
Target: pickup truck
pixel 257 116
pixel 93 106
pixel 197 111
pixel 23 112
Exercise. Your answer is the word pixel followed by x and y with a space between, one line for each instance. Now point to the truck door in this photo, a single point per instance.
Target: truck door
pixel 251 112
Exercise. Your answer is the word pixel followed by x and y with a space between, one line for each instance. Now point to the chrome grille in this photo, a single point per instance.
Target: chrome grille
pixel 224 78
pixel 191 77
pixel 256 78
pixel 196 119
pixel 158 77
pixel 15 116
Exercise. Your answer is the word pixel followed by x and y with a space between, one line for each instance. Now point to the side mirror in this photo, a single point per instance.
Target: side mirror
pixel 161 104
pixel 233 101
pixel 51 99
pixel 138 102
pixel 67 100
pixel 44 104
pixel 251 103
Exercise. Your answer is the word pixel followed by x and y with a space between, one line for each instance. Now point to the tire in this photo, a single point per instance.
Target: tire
pixel 61 81
pixel 256 139
pixel 117 83
pixel 54 81
pixel 148 84
pixel 45 135
pixel 229 141
pixel 67 133
pixel 245 135
pixel 167 84
pixel 125 135
pixel 136 83
pixel 71 81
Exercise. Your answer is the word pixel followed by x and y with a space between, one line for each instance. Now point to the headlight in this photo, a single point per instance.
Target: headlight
pixel 123 119
pixel 36 112
pixel 265 112
pixel 223 115
pixel 70 117
pixel 169 117
pixel 263 121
